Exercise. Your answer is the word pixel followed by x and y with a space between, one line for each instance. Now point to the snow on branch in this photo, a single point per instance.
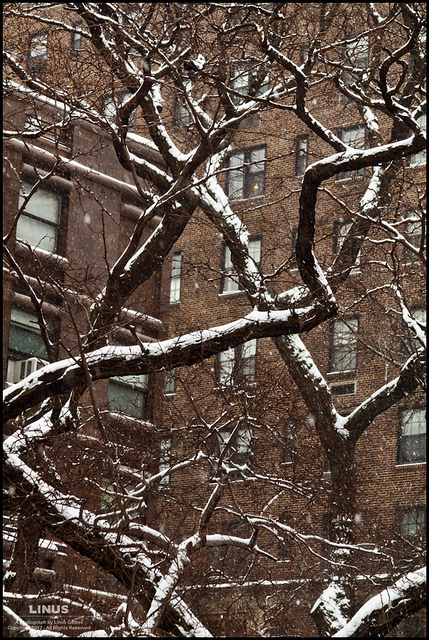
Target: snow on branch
pixel 382 612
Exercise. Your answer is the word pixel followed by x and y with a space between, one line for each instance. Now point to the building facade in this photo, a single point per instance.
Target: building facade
pixel 240 408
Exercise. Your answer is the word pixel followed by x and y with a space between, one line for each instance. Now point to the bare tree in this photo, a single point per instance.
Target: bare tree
pixel 193 80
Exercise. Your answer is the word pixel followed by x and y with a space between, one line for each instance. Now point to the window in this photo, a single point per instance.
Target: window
pixel 245 82
pixel 27 352
pixel 246 177
pixel 356 56
pixel 76 41
pixel 412 437
pixel 294 265
pixel 236 444
pixel 39 222
pixel 111 105
pixel 411 342
pixel 303 54
pixel 341 230
pixel 420 157
pixel 284 544
pixel 289 442
pixel 165 460
pixel 230 283
pixel 301 158
pixel 413 233
pixel 343 356
pixel 38 52
pixel 237 365
pixel 170 382
pixel 353 137
pixel 129 395
pixel 176 276
pixel 412 522
pixel 181 112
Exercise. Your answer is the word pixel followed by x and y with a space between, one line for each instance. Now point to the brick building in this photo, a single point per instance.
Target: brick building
pixel 78 221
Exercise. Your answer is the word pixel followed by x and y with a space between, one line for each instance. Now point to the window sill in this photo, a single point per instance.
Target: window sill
pixel 54 259
pixel 230 293
pixel 401 465
pixel 346 372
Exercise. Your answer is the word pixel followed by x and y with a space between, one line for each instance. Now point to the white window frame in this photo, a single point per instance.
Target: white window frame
pixel 419 159
pixel 50 222
pixel 353 136
pixel 357 55
pixel 138 383
pixel 413 426
pixel 246 176
pixel 344 345
pixel 237 365
pixel 230 282
pixel 165 460
pixel 301 157
pixel 176 277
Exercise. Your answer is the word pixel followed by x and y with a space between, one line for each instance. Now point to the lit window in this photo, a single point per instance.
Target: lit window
pixel 420 157
pixel 341 231
pixel 129 395
pixel 38 224
pixel 237 365
pixel 165 460
pixel 38 52
pixel 246 177
pixel 353 137
pixel 230 282
pixel 412 438
pixel 356 56
pixel 26 351
pixel 343 356
pixel 176 276
pixel 301 158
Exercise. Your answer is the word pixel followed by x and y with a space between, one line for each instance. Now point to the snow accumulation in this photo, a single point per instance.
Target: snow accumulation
pixel 387 599
pixel 331 601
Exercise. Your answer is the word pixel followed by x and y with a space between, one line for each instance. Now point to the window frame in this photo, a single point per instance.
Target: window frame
pixel 117 98
pixel 341 229
pixel 402 458
pixel 61 198
pixel 75 36
pixel 141 387
pixel 234 355
pixel 353 173
pixel 353 56
pixel 332 346
pixel 418 510
pixel 176 277
pixel 419 159
pixel 301 154
pixel 248 178
pixel 165 455
pixel 15 354
pixel 230 281
pixel 38 63
pixel 181 114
